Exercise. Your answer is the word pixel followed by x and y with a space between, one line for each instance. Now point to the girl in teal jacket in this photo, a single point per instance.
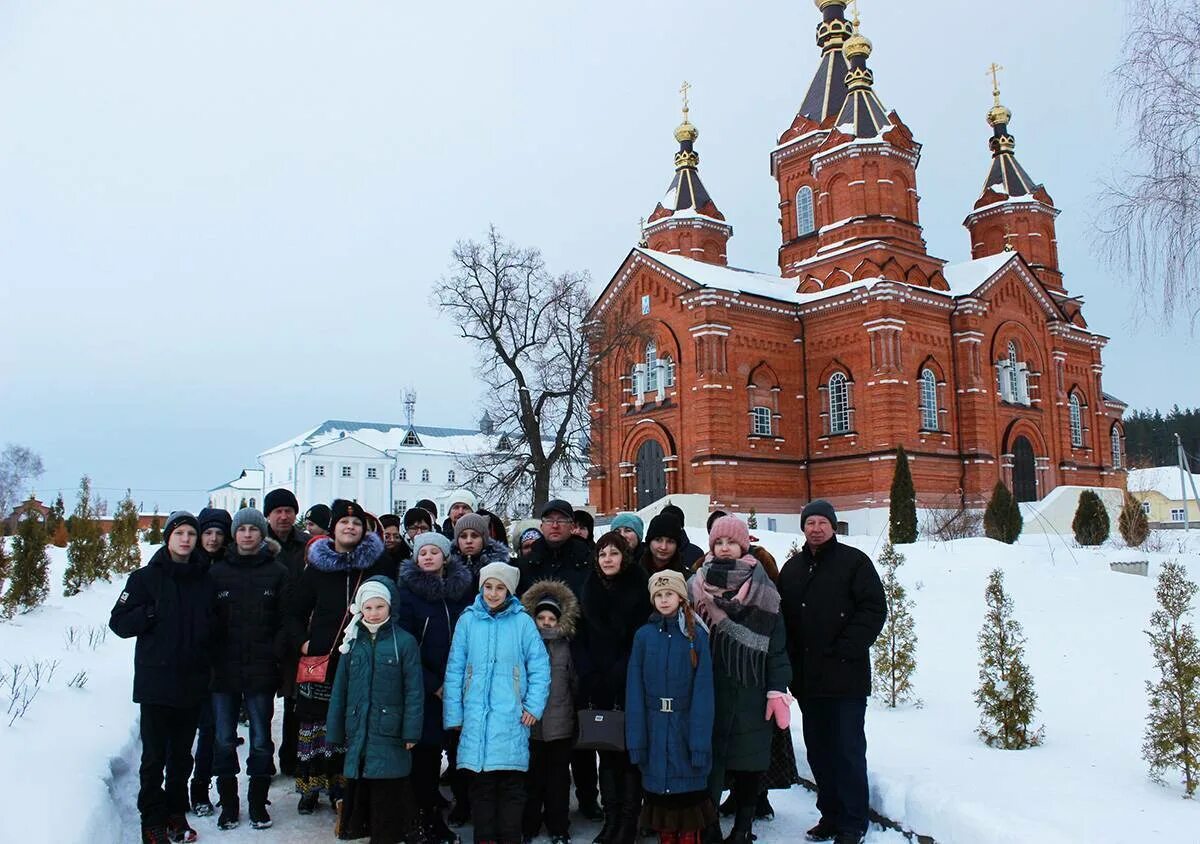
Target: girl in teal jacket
pixel 376 712
pixel 497 682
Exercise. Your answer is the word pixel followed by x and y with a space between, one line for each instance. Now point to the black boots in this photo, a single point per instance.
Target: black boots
pixel 257 798
pixel 743 824
pixel 629 809
pixel 202 806
pixel 227 798
pixel 433 830
pixel 309 802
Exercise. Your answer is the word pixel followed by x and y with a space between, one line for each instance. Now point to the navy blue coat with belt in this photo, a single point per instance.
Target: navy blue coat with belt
pixel 669 707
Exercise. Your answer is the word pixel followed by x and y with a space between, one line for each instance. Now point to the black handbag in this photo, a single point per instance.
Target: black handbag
pixel 601 729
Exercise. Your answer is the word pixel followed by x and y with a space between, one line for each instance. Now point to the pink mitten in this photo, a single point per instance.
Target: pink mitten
pixel 777 708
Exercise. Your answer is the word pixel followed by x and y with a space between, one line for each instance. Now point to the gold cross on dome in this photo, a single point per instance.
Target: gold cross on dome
pixel 994 72
pixel 854 14
pixel 683 89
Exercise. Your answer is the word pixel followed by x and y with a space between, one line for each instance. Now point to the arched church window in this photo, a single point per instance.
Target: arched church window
pixel 1115 437
pixel 929 405
pixel 1076 422
pixel 669 370
pixel 1012 377
pixel 761 418
pixel 839 404
pixel 805 218
pixel 651 366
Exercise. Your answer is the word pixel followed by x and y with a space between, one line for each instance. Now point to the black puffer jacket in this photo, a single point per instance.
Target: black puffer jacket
pixel 291 549
pixel 612 610
pixel 248 641
pixel 168 606
pixel 570 562
pixel 833 608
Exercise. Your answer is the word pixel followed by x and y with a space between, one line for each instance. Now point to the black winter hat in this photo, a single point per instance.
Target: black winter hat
pixel 666 526
pixel 676 511
pixel 417 514
pixel 585 519
pixel 318 514
pixel 716 514
pixel 177 519
pixel 342 509
pixel 429 507
pixel 820 507
pixel 558 505
pixel 548 603
pixel 215 517
pixel 279 498
pixel 388 520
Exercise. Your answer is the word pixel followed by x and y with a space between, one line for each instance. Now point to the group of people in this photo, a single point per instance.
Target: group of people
pixel 412 654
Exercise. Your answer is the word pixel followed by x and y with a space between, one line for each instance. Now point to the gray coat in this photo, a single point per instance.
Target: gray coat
pixel 558 721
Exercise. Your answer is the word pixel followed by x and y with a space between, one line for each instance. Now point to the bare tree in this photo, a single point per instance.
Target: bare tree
pixel 18 466
pixel 537 352
pixel 1149 225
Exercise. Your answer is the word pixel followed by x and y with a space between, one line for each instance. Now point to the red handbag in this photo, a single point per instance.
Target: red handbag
pixel 315 669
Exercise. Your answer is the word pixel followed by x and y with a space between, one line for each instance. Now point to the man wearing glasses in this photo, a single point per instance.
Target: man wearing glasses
pixel 559 554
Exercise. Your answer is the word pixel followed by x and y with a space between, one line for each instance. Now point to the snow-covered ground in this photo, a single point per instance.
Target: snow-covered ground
pixel 69 765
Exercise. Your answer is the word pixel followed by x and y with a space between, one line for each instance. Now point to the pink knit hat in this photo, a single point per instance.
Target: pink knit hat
pixel 730 527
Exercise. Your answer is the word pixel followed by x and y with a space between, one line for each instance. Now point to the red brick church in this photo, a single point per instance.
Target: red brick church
pixel 767 391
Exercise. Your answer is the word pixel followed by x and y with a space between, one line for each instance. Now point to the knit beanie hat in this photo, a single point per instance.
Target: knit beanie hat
pixel 482 525
pixel 548 603
pixel 388 520
pixel 250 516
pixel 280 498
pixel 368 590
pixel 716 514
pixel 462 496
pixel 319 515
pixel 177 519
pixel 820 507
pixel 730 527
pixel 417 514
pixel 530 534
pixel 343 509
pixel 674 510
pixel 666 526
pixel 214 517
pixel 429 507
pixel 510 576
pixel 668 580
pixel 430 537
pixel 630 520
pixel 585 519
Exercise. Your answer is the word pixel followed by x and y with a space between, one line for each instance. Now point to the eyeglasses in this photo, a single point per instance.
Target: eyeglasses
pixel 557 522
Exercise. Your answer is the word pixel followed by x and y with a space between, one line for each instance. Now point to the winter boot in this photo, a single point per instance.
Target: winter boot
pixel 227 798
pixel 590 810
pixel 257 798
pixel 154 833
pixel 823 831
pixel 711 834
pixel 202 806
pixel 460 814
pixel 178 829
pixel 849 838
pixel 435 829
pixel 763 810
pixel 309 802
pixel 743 824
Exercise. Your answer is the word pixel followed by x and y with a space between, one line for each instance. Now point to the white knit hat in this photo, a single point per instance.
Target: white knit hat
pixel 510 576
pixel 367 591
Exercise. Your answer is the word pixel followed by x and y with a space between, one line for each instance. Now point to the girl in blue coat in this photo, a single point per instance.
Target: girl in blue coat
pixel 497 683
pixel 375 711
pixel 669 714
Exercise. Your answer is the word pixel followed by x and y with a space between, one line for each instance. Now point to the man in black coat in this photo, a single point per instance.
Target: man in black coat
pixel 280 507
pixel 833 606
pixel 559 554
pixel 216 535
pixel 168 606
pixel 251 588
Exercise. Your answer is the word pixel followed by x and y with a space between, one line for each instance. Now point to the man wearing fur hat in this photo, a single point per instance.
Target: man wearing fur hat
pixel 833 607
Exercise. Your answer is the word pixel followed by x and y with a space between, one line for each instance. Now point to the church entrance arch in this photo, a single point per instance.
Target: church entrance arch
pixel 651 474
pixel 1024 472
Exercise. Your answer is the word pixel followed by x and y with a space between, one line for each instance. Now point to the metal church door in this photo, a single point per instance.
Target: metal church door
pixel 651 474
pixel 1024 471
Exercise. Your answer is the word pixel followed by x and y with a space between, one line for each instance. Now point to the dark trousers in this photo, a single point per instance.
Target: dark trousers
pixel 460 778
pixel 204 743
pixel 289 737
pixel 583 772
pixel 548 787
pixel 620 787
pixel 426 771
pixel 167 735
pixel 836 742
pixel 260 707
pixel 382 809
pixel 497 804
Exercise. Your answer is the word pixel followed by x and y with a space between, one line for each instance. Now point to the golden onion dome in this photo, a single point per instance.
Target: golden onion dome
pixel 856 45
pixel 685 131
pixel 823 4
pixel 998 115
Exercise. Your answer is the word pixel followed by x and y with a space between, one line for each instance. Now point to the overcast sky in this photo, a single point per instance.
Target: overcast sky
pixel 220 221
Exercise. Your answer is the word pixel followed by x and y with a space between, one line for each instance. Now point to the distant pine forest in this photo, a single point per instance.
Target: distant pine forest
pixel 1150 437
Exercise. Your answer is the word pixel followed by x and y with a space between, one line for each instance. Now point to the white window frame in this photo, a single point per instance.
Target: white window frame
pixel 646 305
pixel 806 220
pixel 347 472
pixel 669 370
pixel 1114 439
pixel 399 506
pixel 651 367
pixel 761 424
pixel 402 474
pixel 1146 507
pixel 1076 420
pixel 424 476
pixel 929 401
pixel 318 471
pixel 839 403
pixel 372 473
pixel 1177 514
pixel 450 477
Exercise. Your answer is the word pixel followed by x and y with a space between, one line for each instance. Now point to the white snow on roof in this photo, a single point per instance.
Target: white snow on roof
pixel 965 278
pixel 727 278
pixel 386 436
pixel 250 479
pixel 1161 479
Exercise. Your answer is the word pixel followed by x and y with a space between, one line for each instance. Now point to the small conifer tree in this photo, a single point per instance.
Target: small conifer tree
pixel 5 565
pixel 1172 738
pixel 902 512
pixel 1006 699
pixel 123 553
pixel 1002 519
pixel 895 658
pixel 154 532
pixel 85 552
pixel 1091 519
pixel 56 516
pixel 1133 524
pixel 752 521
pixel 30 578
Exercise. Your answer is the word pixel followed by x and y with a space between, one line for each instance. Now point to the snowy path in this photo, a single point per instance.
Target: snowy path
pixel 794 813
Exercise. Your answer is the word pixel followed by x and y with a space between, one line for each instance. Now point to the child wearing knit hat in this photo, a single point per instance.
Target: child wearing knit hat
pixel 375 711
pixel 473 545
pixel 496 687
pixel 670 663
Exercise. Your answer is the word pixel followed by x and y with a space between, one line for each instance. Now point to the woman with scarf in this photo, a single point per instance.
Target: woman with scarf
pixel 751 671
pixel 336 565
pixel 614 604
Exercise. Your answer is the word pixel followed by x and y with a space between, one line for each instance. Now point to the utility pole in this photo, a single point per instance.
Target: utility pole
pixel 1185 474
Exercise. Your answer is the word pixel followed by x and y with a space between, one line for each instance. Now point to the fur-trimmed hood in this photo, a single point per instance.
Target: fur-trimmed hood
pixel 562 595
pixel 453 582
pixel 323 556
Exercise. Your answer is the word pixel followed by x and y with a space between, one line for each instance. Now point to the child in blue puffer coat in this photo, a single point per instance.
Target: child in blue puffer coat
pixel 669 714
pixel 497 683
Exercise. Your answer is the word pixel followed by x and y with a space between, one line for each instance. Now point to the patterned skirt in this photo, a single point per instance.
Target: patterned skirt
pixel 319 765
pixel 688 812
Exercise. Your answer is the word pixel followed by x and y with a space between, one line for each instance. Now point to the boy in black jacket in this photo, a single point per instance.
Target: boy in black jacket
pixel 167 604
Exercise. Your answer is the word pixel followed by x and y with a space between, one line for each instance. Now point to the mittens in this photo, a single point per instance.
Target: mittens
pixel 778 708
